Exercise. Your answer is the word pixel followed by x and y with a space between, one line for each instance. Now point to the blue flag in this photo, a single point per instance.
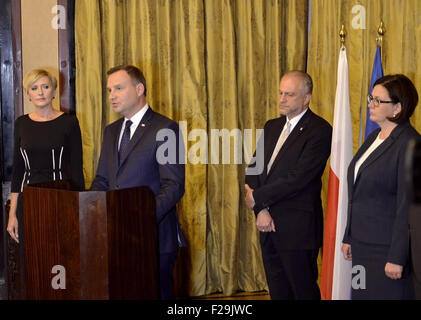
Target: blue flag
pixel 377 73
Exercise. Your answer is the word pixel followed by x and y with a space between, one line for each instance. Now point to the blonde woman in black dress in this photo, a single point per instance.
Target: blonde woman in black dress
pixel 47 146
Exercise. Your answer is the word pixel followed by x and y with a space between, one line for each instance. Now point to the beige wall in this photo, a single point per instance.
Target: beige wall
pixel 39 41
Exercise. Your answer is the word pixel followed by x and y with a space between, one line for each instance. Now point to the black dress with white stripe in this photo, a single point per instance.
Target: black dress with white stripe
pixel 44 151
pixel 47 151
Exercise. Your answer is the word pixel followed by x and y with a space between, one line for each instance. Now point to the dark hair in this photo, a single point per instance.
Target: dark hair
pixel 305 77
pixel 134 73
pixel 402 90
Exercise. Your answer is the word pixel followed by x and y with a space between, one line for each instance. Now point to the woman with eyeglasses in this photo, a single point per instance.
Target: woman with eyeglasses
pixel 376 237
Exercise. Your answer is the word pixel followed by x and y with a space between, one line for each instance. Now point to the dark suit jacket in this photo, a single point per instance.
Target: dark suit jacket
pixel 378 207
pixel 139 167
pixel 414 186
pixel 415 239
pixel 292 188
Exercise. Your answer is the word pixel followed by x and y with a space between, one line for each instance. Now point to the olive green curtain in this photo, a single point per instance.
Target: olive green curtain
pixel 210 65
pixel 249 45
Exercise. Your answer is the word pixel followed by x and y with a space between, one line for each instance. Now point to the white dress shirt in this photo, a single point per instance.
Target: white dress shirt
pixel 295 120
pixel 366 154
pixel 136 121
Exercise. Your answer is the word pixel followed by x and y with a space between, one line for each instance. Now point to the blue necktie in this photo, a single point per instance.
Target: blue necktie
pixel 125 139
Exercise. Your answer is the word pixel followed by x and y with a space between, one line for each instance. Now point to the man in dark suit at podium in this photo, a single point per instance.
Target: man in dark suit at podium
pixel 131 156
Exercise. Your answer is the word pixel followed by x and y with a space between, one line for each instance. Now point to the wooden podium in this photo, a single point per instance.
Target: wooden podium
pixel 90 245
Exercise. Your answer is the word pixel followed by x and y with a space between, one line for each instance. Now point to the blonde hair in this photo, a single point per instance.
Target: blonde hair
pixel 34 75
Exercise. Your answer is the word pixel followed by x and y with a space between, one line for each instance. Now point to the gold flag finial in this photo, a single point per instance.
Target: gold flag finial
pixel 380 31
pixel 342 34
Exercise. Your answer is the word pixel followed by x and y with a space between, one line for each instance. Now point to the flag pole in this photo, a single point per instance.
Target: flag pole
pixel 329 250
pixel 342 34
pixel 381 30
pixel 377 72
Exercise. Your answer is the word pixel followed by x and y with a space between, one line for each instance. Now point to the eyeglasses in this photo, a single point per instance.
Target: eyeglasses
pixel 377 101
pixel 287 94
